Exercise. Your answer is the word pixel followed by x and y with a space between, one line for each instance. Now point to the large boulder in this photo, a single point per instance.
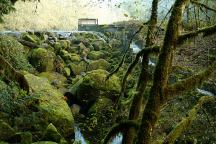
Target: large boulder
pixel 77 69
pixel 98 64
pixel 14 53
pixel 51 104
pixel 42 59
pixel 94 55
pixel 88 88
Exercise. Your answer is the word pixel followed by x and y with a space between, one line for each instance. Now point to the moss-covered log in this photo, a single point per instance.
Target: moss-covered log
pixel 189 83
pixel 206 31
pixel 185 123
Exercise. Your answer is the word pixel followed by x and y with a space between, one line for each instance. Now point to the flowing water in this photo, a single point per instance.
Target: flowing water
pixel 79 137
pixel 135 48
pixel 205 92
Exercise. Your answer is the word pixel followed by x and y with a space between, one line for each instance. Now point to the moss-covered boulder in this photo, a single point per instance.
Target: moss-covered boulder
pixel 99 45
pixel 98 64
pixel 89 88
pixel 64 44
pixel 14 53
pixel 31 38
pixel 54 78
pixel 94 55
pixel 42 59
pixel 77 69
pixel 51 104
pixel 52 133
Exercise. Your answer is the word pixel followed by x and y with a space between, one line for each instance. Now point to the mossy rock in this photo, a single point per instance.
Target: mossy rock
pixel 99 45
pixel 101 105
pixel 14 53
pixel 98 64
pixel 77 69
pixel 95 55
pixel 42 59
pixel 97 80
pixel 75 58
pixel 31 38
pixel 54 78
pixel 65 44
pixel 52 134
pixel 51 103
pixel 88 88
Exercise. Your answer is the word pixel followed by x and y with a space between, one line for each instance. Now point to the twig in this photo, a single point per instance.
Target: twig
pixel 203 5
pixel 128 47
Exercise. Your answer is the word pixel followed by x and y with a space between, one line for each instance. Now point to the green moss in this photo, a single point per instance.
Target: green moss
pixel 54 78
pixel 65 44
pixel 51 103
pixel 31 38
pixel 14 53
pixel 77 69
pixel 102 104
pixel 98 64
pixel 94 55
pixel 42 59
pixel 52 133
pixel 75 58
pixel 97 80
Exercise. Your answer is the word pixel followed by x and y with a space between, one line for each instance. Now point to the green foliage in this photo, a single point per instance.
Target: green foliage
pixel 14 53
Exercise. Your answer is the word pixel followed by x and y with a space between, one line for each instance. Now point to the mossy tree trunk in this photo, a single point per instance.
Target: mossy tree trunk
pixel 161 74
pixel 143 77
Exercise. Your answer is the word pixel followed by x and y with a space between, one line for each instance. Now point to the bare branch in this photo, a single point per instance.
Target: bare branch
pixel 186 121
pixel 147 51
pixel 128 47
pixel 203 5
pixel 207 31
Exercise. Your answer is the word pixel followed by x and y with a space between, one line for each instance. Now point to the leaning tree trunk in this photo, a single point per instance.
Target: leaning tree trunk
pixel 143 78
pixel 161 74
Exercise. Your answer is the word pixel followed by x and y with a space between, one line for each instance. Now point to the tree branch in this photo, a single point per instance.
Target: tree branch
pixel 120 127
pixel 207 31
pixel 147 51
pixel 203 5
pixel 128 47
pixel 186 121
pixel 189 83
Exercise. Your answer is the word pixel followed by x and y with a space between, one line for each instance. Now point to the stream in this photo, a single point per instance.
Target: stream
pixel 79 137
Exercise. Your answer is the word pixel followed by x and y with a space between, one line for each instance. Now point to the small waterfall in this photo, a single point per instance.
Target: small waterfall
pixel 117 139
pixel 135 48
pixel 205 92
pixel 78 136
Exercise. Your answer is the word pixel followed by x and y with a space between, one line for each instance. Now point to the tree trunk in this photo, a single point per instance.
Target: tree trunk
pixel 143 78
pixel 156 99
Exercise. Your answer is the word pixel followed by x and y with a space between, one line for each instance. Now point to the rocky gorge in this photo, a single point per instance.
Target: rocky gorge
pixel 54 83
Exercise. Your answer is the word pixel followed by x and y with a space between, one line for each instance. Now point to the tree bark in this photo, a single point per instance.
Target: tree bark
pixel 143 78
pixel 156 99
